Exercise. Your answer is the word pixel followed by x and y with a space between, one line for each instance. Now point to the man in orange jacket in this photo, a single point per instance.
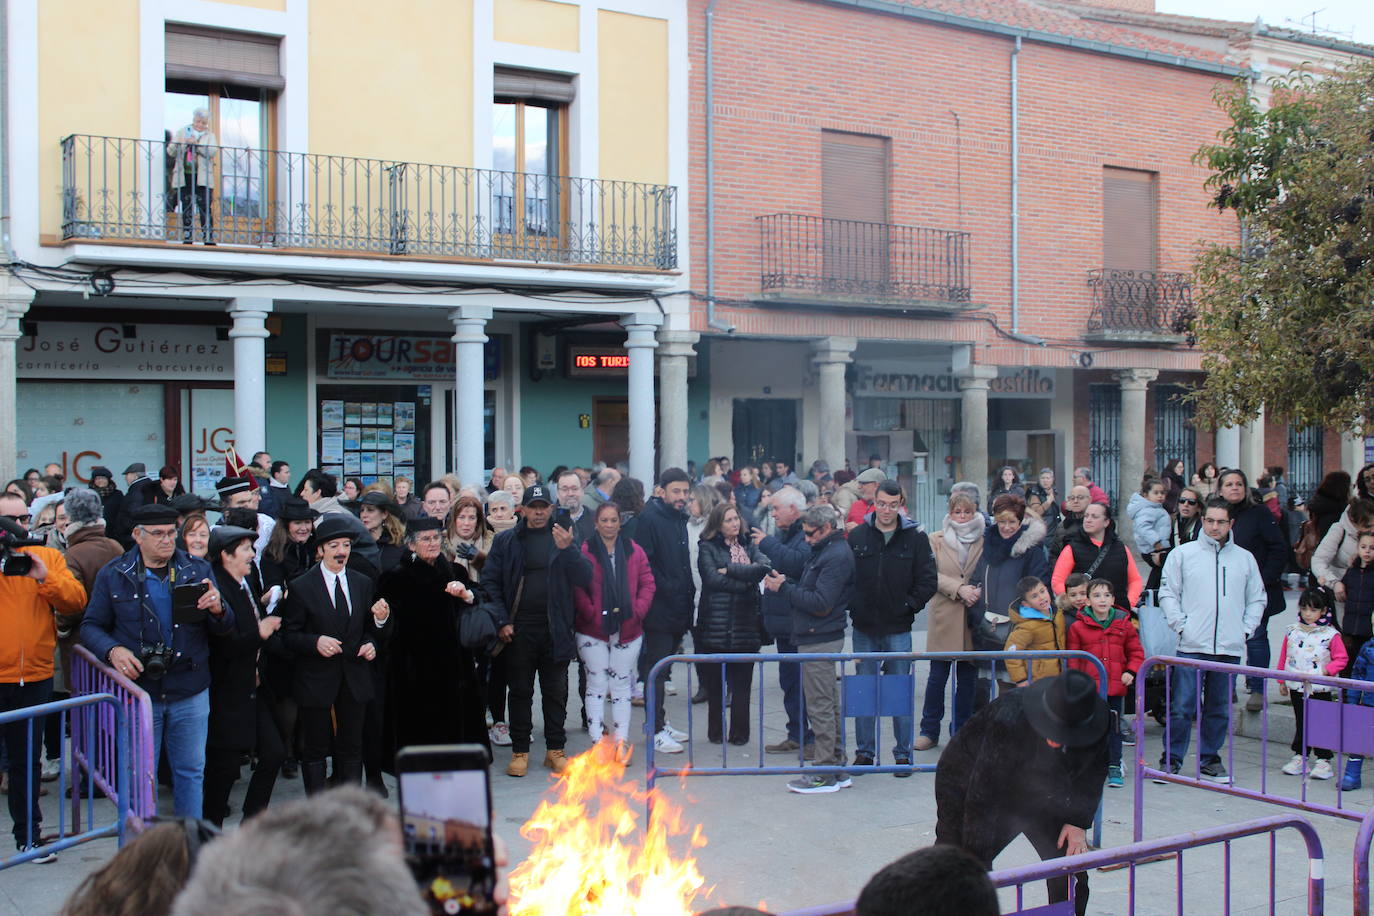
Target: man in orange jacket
pixel 28 640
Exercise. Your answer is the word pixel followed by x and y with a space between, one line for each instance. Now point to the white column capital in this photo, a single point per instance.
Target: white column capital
pixel 469 324
pixel 12 310
pixel 1136 379
pixel 470 313
pixel 249 314
pixel 677 343
pixel 640 330
pixel 833 350
pixel 975 377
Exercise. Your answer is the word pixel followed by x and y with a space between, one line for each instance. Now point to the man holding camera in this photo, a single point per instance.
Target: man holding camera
pixel 36 582
pixel 150 616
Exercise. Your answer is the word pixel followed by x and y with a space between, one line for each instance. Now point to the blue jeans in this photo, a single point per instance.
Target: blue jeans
pixel 789 679
pixel 866 727
pixel 1257 654
pixel 933 712
pixel 184 724
pixel 24 760
pixel 1216 708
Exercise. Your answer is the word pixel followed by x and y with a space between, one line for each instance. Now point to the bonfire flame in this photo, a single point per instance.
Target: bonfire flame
pixel 589 857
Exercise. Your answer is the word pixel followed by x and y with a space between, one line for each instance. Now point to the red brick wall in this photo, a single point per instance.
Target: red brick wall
pixel 786 70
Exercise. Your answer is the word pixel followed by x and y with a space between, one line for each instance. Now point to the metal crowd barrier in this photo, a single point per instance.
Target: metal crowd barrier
pixel 880 696
pixel 1344 728
pixel 117 741
pixel 84 715
pixel 1134 854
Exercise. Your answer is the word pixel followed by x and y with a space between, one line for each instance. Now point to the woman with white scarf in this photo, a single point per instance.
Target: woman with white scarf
pixel 958 546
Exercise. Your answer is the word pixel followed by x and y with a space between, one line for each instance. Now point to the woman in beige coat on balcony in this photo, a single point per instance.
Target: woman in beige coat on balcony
pixel 957 546
pixel 194 149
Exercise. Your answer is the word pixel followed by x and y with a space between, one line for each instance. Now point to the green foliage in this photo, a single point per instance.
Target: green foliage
pixel 1286 318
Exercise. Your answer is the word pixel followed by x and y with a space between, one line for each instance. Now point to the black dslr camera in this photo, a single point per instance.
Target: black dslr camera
pixel 156 659
pixel 12 561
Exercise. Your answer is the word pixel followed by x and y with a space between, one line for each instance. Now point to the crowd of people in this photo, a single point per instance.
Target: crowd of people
pixel 334 622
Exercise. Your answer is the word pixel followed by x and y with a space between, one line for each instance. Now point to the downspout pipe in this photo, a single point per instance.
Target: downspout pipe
pixel 711 320
pixel 1016 188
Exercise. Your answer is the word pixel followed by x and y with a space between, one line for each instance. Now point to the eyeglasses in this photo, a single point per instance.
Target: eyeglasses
pixel 21 519
pixel 809 533
pixel 427 539
pixel 159 535
pixel 1187 502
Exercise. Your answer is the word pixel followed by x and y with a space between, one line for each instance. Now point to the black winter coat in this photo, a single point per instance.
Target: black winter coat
pixel 662 532
pixel 893 579
pixel 505 568
pixel 234 669
pixel 982 800
pixel 820 597
pixel 1325 511
pixel 1255 529
pixel 432 693
pixel 728 618
pixel 787 551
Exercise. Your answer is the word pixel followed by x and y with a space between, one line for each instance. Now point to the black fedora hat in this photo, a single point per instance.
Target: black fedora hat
pixel 1067 709
pixel 379 500
pixel 225 537
pixel 295 509
pixel 332 526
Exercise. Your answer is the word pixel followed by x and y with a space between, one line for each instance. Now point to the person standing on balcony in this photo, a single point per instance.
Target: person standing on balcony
pixel 194 149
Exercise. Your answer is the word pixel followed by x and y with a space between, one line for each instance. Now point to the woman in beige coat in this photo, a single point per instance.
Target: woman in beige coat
pixel 957 546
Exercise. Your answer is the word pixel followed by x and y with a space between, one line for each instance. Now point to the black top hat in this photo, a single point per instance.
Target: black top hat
pixel 227 537
pixel 295 509
pixel 423 523
pixel 1067 709
pixel 155 514
pixel 332 526
pixel 536 493
pixel 187 503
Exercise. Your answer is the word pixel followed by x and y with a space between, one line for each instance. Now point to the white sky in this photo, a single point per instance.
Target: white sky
pixel 1350 19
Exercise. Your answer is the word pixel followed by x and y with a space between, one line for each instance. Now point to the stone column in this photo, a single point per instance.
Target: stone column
pixel 14 304
pixel 469 386
pixel 249 334
pixel 1228 447
pixel 973 390
pixel 831 355
pixel 674 349
pixel 1134 383
pixel 1252 447
pixel 640 344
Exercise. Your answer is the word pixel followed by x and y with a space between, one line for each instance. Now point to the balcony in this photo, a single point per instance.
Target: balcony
pixel 817 261
pixel 1148 307
pixel 118 189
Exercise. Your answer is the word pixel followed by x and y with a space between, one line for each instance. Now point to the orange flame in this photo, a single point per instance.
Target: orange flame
pixel 588 857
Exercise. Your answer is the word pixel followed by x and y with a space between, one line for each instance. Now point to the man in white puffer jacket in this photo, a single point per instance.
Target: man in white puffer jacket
pixel 1213 597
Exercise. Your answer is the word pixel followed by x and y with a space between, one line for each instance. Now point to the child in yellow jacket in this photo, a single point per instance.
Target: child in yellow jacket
pixel 1036 625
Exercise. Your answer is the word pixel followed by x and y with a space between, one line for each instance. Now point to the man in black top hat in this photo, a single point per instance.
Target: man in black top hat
pixel 1055 731
pixel 529 577
pixel 332 625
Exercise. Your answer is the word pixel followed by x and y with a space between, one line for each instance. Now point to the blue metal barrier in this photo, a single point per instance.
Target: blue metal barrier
pixel 83 714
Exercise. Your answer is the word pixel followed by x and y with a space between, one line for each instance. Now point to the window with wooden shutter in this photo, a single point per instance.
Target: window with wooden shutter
pixel 1130 220
pixel 854 191
pixel 218 56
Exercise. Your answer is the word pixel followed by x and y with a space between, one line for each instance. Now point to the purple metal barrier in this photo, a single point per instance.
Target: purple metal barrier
pixel 1361 876
pixel 80 715
pixel 98 749
pixel 1131 855
pixel 1334 725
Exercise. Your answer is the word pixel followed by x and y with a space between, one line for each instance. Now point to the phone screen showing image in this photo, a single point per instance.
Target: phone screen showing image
pixel 446 823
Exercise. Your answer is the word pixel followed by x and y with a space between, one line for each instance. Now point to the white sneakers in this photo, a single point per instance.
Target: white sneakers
pixel 676 734
pixel 1320 770
pixel 499 734
pixel 665 743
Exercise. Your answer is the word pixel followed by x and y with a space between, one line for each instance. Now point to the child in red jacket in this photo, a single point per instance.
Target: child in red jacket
pixel 1107 632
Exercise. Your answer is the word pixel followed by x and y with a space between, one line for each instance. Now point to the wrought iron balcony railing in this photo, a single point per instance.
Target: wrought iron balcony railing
pixel 118 188
pixel 810 258
pixel 1140 303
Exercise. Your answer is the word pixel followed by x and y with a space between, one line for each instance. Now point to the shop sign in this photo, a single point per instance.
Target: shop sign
pixel 394 356
pixel 928 380
pixel 68 349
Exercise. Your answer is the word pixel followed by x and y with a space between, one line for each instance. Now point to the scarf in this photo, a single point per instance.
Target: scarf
pixel 738 555
pixel 615 584
pixel 961 534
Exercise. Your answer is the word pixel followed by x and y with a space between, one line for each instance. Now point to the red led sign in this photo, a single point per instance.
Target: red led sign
pixel 596 361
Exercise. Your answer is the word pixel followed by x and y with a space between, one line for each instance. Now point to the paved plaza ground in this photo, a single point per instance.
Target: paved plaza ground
pixel 769 847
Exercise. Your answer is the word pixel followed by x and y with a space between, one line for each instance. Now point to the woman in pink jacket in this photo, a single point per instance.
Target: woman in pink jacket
pixel 610 621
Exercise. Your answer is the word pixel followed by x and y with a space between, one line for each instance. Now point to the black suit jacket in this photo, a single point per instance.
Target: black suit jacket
pixel 309 614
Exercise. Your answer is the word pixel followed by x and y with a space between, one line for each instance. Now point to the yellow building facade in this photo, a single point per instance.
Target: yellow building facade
pixel 310 176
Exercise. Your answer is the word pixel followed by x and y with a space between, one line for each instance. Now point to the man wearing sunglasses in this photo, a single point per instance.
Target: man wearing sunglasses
pixel 28 641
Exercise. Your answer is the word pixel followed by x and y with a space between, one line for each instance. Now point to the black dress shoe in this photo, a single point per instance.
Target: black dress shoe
pixel 700 695
pixel 902 762
pixel 740 742
pixel 290 768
